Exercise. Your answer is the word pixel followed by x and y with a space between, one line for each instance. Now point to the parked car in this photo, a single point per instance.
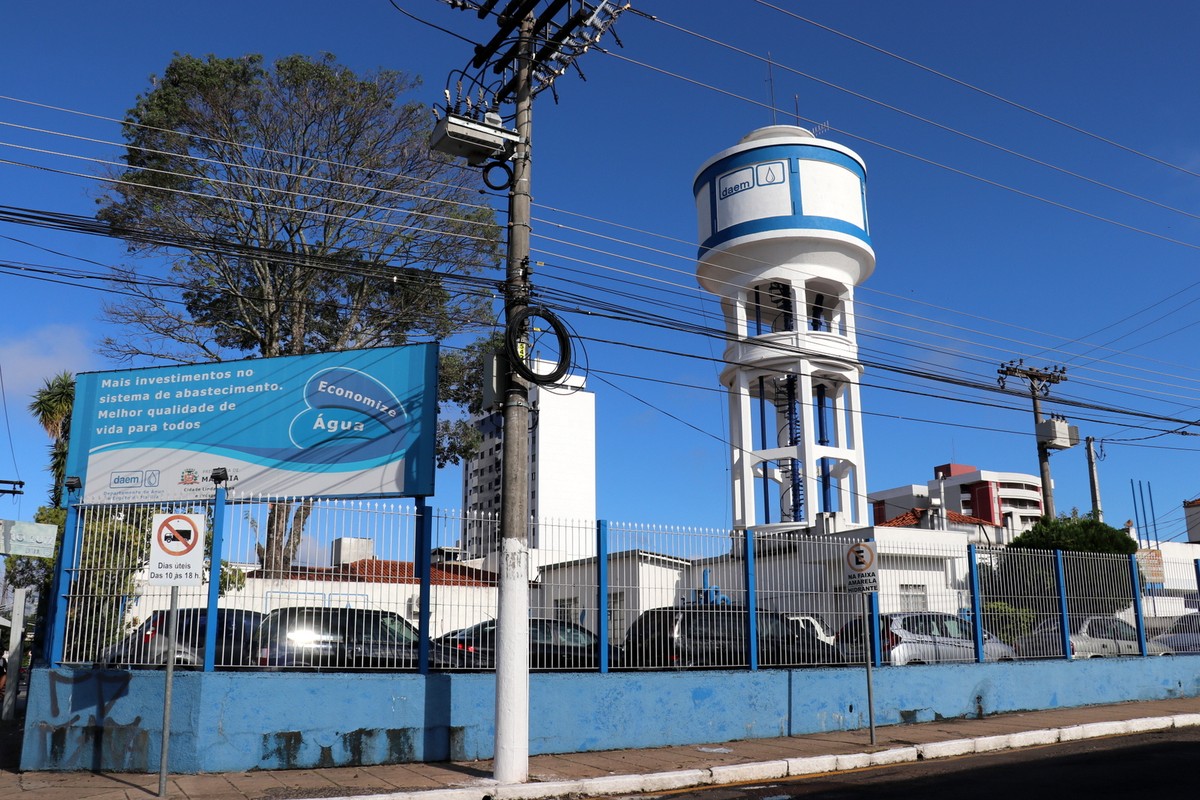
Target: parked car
pixel 920 637
pixel 715 635
pixel 1183 636
pixel 814 625
pixel 553 644
pixel 1095 636
pixel 335 639
pixel 147 645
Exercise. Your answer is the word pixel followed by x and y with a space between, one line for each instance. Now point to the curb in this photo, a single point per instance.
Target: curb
pixel 792 767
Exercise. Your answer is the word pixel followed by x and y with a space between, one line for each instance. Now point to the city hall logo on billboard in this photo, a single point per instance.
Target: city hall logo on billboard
pixel 353 423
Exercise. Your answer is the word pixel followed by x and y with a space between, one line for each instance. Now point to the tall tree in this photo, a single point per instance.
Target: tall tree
pixel 300 210
pixel 51 407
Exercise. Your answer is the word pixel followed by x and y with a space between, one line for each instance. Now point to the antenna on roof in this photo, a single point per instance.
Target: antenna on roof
pixel 771 85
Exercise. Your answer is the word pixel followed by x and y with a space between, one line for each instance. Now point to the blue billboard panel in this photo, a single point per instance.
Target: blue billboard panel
pixel 348 424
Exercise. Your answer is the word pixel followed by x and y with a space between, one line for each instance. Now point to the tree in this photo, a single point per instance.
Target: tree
pixel 1075 533
pixel 1020 584
pixel 52 406
pixel 299 210
pixel 459 377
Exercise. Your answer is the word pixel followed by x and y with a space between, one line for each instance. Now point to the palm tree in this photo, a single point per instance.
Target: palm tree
pixel 52 405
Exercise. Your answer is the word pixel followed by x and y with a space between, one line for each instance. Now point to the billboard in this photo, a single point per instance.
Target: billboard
pixel 346 424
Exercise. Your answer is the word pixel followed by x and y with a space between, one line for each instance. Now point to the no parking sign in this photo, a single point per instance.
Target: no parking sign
pixel 177 550
pixel 862 572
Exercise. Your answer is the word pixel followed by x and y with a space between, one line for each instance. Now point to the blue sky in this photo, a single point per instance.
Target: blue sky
pixel 1033 177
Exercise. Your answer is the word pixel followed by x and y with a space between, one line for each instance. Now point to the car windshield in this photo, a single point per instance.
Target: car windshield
pixel 300 626
pixel 399 628
pixel 574 635
pixel 957 628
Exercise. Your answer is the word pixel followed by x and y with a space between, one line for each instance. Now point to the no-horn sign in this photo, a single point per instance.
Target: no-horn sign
pixel 177 550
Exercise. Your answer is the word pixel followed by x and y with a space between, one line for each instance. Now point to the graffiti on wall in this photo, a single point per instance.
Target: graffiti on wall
pixel 80 734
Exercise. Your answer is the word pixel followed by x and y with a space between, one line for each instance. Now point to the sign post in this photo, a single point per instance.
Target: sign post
pixel 21 539
pixel 176 559
pixel 862 577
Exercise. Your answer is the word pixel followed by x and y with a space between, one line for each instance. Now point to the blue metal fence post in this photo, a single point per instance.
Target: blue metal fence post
pixel 876 639
pixel 68 555
pixel 214 577
pixel 1196 570
pixel 1060 579
pixel 602 591
pixel 1135 584
pixel 423 562
pixel 751 604
pixel 976 603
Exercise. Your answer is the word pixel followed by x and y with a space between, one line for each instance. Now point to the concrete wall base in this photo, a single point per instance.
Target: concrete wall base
pixel 111 720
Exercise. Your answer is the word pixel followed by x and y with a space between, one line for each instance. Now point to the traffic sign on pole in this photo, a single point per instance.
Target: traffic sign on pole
pixel 862 571
pixel 177 550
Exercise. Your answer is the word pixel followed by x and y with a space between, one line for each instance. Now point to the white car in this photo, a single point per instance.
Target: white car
pixel 1096 636
pixel 921 637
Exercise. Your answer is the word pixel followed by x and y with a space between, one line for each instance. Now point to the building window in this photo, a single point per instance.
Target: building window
pixel 616 617
pixel 913 597
pixel 567 609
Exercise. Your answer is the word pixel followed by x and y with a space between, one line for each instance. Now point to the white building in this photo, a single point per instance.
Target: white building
pixel 1011 501
pixel 562 476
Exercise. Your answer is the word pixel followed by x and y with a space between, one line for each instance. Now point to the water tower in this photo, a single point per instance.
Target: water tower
pixel 783 242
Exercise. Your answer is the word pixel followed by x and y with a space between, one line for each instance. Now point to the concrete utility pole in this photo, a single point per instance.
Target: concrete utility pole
pixel 511 761
pixel 1039 382
pixel 479 136
pixel 1094 479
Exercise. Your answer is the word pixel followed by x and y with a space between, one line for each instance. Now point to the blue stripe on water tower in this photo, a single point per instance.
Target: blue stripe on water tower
pixel 762 189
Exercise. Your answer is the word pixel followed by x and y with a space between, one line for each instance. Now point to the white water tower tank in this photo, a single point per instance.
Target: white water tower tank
pixel 784 240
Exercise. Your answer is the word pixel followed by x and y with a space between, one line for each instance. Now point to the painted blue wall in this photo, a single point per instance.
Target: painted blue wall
pixel 230 721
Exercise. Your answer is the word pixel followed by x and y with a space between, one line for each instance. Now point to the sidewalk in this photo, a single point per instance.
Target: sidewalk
pixel 628 771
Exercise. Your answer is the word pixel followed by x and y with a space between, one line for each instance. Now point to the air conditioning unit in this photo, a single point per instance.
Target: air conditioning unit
pixel 477 142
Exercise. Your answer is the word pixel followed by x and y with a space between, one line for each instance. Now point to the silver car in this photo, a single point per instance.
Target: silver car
pixel 1095 636
pixel 1183 636
pixel 921 637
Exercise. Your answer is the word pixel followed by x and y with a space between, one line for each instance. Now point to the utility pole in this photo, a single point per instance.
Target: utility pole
pixel 473 128
pixel 1094 479
pixel 1039 382
pixel 511 759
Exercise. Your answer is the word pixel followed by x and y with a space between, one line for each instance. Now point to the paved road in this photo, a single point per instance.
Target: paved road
pixel 1119 766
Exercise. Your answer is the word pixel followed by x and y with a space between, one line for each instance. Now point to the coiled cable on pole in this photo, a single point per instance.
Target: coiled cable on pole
pixel 540 320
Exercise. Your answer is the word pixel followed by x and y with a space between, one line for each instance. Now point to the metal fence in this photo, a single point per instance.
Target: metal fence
pixel 343 584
